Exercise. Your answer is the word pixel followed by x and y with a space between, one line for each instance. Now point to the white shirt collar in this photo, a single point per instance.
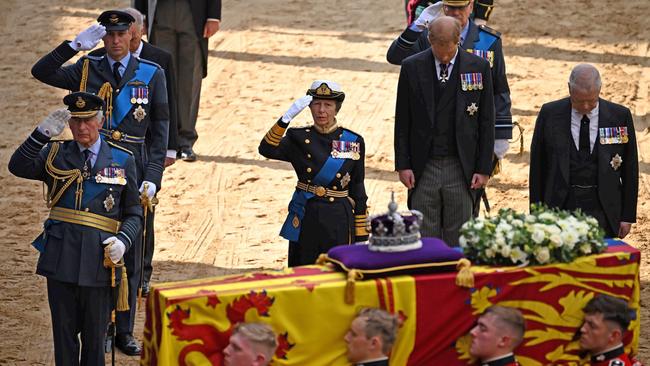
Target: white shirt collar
pixel 137 52
pixel 94 148
pixel 124 61
pixel 497 358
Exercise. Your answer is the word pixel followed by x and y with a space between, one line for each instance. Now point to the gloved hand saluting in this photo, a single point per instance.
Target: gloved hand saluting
pixel 89 38
pixel 428 15
pixel 54 123
pixel 296 107
pixel 115 248
pixel 151 188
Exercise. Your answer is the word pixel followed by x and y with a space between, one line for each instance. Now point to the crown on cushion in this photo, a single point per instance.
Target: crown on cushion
pixel 394 231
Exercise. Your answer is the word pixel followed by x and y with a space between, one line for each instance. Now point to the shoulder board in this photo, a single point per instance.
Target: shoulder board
pixel 116 146
pixel 95 58
pixel 487 29
pixel 144 61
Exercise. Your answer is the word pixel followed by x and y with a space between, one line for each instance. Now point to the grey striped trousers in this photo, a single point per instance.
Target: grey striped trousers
pixel 444 199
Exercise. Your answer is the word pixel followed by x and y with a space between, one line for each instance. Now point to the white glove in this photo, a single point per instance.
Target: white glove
pixel 88 38
pixel 54 123
pixel 296 107
pixel 116 250
pixel 501 148
pixel 428 15
pixel 151 188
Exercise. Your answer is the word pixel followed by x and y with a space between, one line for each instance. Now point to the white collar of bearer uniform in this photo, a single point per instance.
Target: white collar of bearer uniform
pixel 137 52
pixel 373 360
pixel 94 148
pixel 124 61
pixel 496 358
pixel 449 68
pixel 609 350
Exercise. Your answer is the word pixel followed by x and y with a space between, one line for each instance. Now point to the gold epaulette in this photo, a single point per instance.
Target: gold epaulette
pixel 275 134
pixel 119 147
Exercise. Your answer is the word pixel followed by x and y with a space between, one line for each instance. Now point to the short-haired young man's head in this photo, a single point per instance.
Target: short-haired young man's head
pixel 498 331
pixel 251 344
pixel 606 320
pixel 371 335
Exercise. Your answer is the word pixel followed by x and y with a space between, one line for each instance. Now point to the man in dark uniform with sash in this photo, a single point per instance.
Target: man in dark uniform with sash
pixel 95 212
pixel 136 96
pixel 498 332
pixel 583 155
pixel 606 321
pixel 479 40
pixel 328 207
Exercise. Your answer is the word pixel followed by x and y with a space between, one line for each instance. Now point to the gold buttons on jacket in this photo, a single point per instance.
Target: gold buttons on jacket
pixel 308 156
pixel 338 175
pixel 331 199
pixel 308 170
pixel 307 141
pixel 307 130
pixel 87 209
pixel 334 188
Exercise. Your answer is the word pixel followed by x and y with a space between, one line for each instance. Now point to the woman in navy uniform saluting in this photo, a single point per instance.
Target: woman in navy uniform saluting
pixel 328 207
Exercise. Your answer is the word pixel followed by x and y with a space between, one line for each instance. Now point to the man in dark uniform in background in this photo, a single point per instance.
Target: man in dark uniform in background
pixel 328 207
pixel 136 95
pixel 481 12
pixel 147 51
pixel 182 27
pixel 498 332
pixel 95 211
pixel 371 337
pixel 444 130
pixel 480 40
pixel 606 321
pixel 583 155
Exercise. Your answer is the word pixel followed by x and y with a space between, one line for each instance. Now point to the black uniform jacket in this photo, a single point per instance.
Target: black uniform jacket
pixel 74 253
pixel 164 59
pixel 410 42
pixel 149 161
pixel 307 150
pixel 415 115
pixel 549 180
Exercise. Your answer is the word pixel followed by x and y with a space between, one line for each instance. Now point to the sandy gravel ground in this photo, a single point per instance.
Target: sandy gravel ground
pixel 222 214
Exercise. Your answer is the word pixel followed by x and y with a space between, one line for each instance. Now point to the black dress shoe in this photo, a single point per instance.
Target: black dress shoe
pixel 127 344
pixel 187 154
pixel 145 289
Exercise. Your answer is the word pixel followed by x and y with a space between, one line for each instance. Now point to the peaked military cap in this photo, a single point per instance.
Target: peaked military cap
pixel 115 20
pixel 456 3
pixel 325 89
pixel 83 105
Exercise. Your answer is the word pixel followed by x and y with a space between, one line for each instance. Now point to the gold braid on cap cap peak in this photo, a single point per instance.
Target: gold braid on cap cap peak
pixel 325 92
pixel 456 3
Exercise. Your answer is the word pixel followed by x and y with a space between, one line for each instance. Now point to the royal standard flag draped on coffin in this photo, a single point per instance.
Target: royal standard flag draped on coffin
pixel 190 322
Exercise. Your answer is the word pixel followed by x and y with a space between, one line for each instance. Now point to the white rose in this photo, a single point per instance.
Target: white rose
pixel 500 240
pixel 585 248
pixel 547 216
pixel 489 253
pixel 505 251
pixel 556 240
pixel 517 223
pixel 542 255
pixel 518 255
pixel 538 236
pixel 531 218
pixel 570 238
pixel 479 225
pixel 509 217
pixel 462 241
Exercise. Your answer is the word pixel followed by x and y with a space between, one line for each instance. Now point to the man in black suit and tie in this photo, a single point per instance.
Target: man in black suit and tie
pixel 583 155
pixel 182 27
pixel 444 130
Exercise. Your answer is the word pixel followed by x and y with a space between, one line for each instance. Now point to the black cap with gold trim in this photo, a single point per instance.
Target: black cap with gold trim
pixel 115 20
pixel 83 105
pixel 325 89
pixel 456 3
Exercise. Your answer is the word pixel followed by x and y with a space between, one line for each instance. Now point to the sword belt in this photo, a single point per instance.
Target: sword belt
pixel 85 219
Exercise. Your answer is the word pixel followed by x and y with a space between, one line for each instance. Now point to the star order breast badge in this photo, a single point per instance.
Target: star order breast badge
pixel 139 113
pixel 616 162
pixel 109 203
pixel 345 180
pixel 472 108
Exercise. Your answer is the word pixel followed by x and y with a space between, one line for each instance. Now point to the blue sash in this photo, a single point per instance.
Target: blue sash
pixel 91 190
pixel 299 200
pixel 122 103
pixel 485 40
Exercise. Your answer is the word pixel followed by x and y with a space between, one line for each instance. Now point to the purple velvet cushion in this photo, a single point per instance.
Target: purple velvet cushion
pixel 361 258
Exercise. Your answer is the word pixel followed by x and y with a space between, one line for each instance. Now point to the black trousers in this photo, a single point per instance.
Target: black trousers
pixel 325 225
pixel 78 313
pixel 587 200
pixel 149 247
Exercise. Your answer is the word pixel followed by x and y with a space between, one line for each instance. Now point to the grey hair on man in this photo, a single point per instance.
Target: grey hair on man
pixel 585 77
pixel 139 18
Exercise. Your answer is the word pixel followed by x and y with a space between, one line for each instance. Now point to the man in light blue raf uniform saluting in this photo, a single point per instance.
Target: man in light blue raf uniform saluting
pixel 95 215
pixel 136 97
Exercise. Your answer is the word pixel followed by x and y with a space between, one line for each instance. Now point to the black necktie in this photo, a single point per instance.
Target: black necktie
pixel 116 72
pixel 584 135
pixel 443 73
pixel 87 163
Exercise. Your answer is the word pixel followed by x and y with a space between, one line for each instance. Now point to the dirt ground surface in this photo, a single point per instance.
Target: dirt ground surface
pixel 222 214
